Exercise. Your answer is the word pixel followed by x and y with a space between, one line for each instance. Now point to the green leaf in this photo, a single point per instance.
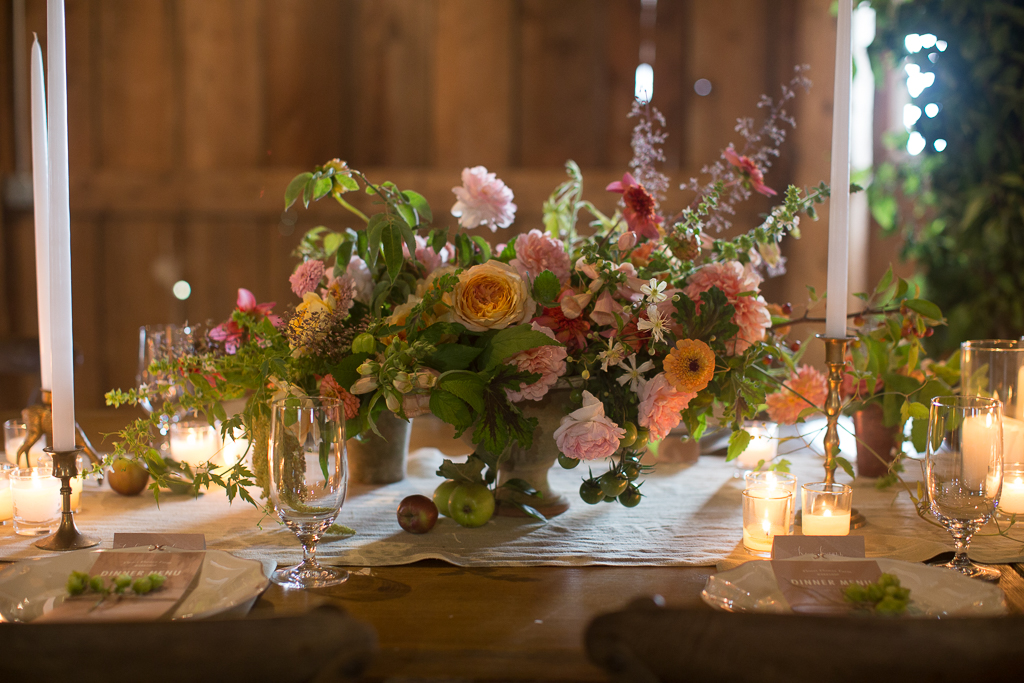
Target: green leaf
pixel 451 409
pixel 345 371
pixel 321 187
pixel 391 246
pixel 468 386
pixel 453 357
pixel 512 340
pixel 738 442
pixel 530 511
pixel 408 214
pixel 546 287
pixel 420 203
pixel 438 240
pixel 918 411
pixel 347 182
pixel 485 248
pixel 294 189
pixel 845 465
pixel 925 308
pixel 331 242
pixel 469 471
pixel 521 486
pixel 374 229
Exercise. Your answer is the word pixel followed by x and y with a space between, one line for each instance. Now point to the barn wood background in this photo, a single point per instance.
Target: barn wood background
pixel 188 117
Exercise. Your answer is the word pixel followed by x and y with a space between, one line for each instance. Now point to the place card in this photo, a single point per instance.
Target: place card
pixel 786 547
pixel 161 541
pixel 180 568
pixel 816 586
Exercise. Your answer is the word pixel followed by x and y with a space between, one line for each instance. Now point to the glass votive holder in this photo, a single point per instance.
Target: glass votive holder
pixel 782 480
pixel 1011 501
pixel 6 501
pixel 37 503
pixel 14 435
pixel 826 509
pixel 193 441
pixel 762 449
pixel 77 484
pixel 766 514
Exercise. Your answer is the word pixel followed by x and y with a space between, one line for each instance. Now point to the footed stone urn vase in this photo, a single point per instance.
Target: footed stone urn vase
pixel 532 464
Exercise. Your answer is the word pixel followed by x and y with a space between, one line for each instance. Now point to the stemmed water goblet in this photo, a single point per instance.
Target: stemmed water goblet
pixel 308 480
pixel 965 471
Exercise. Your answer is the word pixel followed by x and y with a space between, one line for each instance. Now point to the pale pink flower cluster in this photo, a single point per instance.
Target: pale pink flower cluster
pixel 809 390
pixel 586 434
pixel 660 406
pixel 537 252
pixel 306 277
pixel 483 199
pixel 426 255
pixel 363 279
pixel 731 277
pixel 547 361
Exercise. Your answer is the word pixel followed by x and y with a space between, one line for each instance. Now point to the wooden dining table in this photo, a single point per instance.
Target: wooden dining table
pixel 435 620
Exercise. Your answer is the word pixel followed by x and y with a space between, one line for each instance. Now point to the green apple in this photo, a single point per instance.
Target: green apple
pixel 127 477
pixel 471 505
pixel 441 495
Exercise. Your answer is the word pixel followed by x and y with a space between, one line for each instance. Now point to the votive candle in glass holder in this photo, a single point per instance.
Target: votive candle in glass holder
pixel 14 436
pixel 783 480
pixel 37 503
pixel 193 441
pixel 766 514
pixel 1011 501
pixel 763 446
pixel 826 509
pixel 45 461
pixel 6 501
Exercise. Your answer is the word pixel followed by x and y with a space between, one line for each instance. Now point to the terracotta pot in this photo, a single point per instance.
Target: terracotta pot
pixel 876 443
pixel 380 461
pixel 532 464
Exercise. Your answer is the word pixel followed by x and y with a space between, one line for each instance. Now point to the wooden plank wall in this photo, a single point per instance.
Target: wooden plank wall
pixel 188 117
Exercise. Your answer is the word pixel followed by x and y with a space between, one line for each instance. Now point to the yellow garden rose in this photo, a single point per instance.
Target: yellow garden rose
pixel 490 296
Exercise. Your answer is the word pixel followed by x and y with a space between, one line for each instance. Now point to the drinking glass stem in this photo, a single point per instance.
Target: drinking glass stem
pixel 309 542
pixel 961 539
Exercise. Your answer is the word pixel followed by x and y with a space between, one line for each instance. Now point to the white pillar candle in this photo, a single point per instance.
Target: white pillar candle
pixel 1012 499
pixel 6 500
pixel 1013 440
pixel 63 367
pixel 839 199
pixel 826 523
pixel 41 205
pixel 193 446
pixel 980 437
pixel 36 495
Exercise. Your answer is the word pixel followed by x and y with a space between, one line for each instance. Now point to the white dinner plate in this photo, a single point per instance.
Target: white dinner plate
pixel 31 588
pixel 934 592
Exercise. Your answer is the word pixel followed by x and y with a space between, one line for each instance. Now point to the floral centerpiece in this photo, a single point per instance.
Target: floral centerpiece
pixel 646 317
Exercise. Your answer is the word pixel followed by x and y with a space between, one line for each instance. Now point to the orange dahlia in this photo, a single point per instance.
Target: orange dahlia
pixel 690 365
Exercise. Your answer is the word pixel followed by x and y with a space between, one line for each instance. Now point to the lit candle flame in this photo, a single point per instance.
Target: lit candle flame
pixel 827 513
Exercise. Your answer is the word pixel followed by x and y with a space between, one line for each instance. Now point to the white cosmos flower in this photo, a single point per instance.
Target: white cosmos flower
pixel 634 374
pixel 655 322
pixel 612 355
pixel 654 291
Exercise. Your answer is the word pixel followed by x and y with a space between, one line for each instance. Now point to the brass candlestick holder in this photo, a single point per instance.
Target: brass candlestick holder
pixel 39 423
pixel 835 359
pixel 67 536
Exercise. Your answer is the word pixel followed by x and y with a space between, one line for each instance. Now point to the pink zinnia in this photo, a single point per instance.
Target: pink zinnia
pixel 749 170
pixel 483 199
pixel 661 406
pixel 785 406
pixel 547 361
pixel 641 211
pixel 586 434
pixel 733 279
pixel 536 252
pixel 306 277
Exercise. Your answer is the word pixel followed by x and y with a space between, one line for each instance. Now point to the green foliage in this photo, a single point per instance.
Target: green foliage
pixel 961 211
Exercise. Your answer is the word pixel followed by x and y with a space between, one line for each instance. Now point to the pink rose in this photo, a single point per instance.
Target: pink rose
pixel 536 252
pixel 483 199
pixel 661 405
pixel 733 279
pixel 547 361
pixel 586 434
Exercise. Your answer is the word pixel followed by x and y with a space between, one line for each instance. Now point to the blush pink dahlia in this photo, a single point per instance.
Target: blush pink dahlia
pixel 536 252
pixel 306 277
pixel 785 406
pixel 547 361
pixel 733 279
pixel 483 199
pixel 660 406
pixel 641 211
pixel 586 434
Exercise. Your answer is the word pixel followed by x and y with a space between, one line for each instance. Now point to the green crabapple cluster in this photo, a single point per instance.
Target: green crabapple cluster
pixel 397 371
pixel 80 582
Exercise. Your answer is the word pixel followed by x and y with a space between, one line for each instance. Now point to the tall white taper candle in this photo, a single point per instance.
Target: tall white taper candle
pixel 41 203
pixel 839 204
pixel 63 378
